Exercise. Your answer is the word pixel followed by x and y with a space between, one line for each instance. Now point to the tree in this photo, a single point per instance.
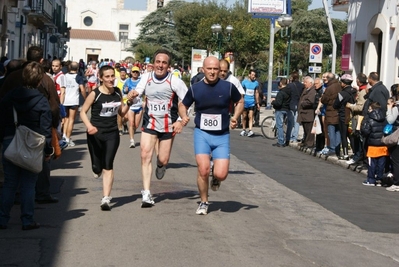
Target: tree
pixel 158 30
pixel 181 26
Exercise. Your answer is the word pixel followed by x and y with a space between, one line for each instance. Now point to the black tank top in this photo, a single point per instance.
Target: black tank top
pixel 105 109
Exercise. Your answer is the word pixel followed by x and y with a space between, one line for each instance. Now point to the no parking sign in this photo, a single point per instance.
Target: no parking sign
pixel 316 53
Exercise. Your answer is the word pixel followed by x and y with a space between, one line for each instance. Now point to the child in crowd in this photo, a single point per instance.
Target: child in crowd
pixel 372 128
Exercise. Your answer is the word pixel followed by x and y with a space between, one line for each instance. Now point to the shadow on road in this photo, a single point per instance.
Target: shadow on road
pixel 229 206
pixel 240 172
pixel 180 165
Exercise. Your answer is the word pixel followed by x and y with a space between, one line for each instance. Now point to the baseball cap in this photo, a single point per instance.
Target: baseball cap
pixel 135 68
pixel 347 77
pixel 122 69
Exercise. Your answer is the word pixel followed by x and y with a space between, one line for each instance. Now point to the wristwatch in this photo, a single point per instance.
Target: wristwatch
pixel 129 103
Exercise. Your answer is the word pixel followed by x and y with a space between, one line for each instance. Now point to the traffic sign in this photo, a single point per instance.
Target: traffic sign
pixel 316 53
pixel 314 69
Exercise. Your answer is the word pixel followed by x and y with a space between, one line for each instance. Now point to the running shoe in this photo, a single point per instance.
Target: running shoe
pixel 250 133
pixel 97 175
pixel 132 143
pixel 215 183
pixel 120 132
pixel 160 171
pixel 63 144
pixel 125 129
pixel 243 133
pixel 393 188
pixel 105 203
pixel 71 143
pixel 202 208
pixel 147 200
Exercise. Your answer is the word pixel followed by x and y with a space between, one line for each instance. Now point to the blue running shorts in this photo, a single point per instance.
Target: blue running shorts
pixel 205 143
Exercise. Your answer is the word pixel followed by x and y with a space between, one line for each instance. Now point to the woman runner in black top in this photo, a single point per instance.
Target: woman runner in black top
pixel 102 129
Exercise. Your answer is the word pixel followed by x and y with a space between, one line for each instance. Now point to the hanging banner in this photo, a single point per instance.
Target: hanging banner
pixel 275 7
pixel 346 52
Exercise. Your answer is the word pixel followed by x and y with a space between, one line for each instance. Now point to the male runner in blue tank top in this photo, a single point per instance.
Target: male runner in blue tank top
pixel 212 97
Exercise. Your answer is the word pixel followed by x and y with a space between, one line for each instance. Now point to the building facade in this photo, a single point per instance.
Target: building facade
pixel 33 22
pixel 103 28
pixel 371 42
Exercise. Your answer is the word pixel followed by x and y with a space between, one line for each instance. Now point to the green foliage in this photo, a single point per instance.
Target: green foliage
pixel 181 26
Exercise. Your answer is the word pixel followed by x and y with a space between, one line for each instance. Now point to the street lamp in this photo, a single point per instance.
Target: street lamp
pixel 218 35
pixel 285 22
pixel 22 21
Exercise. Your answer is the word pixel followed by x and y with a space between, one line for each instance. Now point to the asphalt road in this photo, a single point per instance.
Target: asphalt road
pixel 278 207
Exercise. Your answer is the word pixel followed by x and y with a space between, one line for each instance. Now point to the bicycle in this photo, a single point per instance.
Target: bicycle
pixel 269 129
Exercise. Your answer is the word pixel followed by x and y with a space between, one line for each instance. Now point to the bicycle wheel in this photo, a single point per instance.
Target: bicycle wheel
pixel 268 127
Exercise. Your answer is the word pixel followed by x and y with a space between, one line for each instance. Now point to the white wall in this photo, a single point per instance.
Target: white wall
pixel 106 16
pixel 111 50
pixel 365 20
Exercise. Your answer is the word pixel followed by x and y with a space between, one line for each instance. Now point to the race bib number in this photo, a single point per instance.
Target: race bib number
pixel 157 107
pixel 211 122
pixel 110 109
pixel 250 92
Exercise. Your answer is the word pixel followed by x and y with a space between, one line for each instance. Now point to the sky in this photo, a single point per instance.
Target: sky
pixel 141 5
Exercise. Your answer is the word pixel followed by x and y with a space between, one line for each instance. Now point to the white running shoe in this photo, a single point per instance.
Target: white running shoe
pixel 132 143
pixel 71 143
pixel 250 133
pixel 393 188
pixel 147 200
pixel 105 203
pixel 97 175
pixel 202 208
pixel 243 133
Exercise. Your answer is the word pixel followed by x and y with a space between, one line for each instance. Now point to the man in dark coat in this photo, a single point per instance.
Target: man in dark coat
pixel 377 93
pixel 295 88
pixel 306 112
pixel 282 106
pixel 347 95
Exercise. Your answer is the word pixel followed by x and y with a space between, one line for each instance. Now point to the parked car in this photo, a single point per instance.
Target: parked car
pixel 264 91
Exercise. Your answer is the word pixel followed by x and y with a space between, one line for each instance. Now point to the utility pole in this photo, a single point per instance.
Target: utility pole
pixel 334 42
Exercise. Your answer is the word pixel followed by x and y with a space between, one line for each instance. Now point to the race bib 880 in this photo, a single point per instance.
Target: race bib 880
pixel 211 122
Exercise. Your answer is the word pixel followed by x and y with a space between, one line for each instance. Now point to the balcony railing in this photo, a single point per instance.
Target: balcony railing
pixel 43 7
pixel 340 5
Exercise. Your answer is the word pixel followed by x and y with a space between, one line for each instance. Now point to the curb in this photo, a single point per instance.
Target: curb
pixel 359 168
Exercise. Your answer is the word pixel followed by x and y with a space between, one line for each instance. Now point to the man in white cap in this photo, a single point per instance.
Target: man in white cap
pixel 347 95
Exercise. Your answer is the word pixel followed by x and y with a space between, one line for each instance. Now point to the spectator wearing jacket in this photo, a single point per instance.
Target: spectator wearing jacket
pixel 319 139
pixel 34 112
pixel 377 93
pixel 306 112
pixel 372 128
pixel 295 88
pixel 347 95
pixel 356 109
pixel 393 118
pixel 281 104
pixel 331 118
pixel 47 88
